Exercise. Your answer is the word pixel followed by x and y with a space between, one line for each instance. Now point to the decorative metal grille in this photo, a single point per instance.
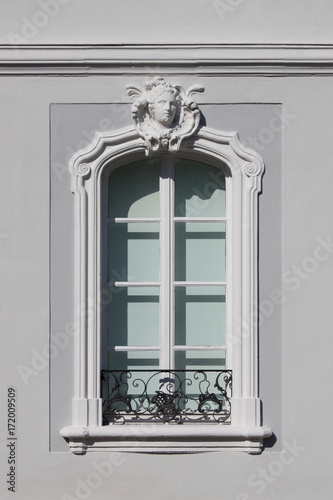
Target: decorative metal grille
pixel 166 396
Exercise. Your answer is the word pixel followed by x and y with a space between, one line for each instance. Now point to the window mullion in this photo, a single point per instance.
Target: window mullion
pixel 166 262
pixel 171 262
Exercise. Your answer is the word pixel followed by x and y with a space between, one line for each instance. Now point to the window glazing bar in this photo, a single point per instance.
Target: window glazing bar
pixel 200 219
pixel 125 284
pixel 200 347
pixel 133 348
pixel 200 283
pixel 166 260
pixel 122 220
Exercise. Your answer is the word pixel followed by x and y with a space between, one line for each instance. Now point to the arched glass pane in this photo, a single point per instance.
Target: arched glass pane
pixel 134 190
pixel 199 190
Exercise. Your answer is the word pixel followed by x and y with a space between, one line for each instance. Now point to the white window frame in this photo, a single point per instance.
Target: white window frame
pixel 166 219
pixel 88 169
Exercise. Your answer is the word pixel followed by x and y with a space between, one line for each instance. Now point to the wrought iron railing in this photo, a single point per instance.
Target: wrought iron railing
pixel 166 396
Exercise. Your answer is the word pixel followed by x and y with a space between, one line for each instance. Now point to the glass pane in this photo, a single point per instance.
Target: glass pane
pixel 133 391
pixel 200 315
pixel 134 251
pixel 142 360
pixel 200 383
pixel 134 316
pixel 200 360
pixel 134 190
pixel 199 190
pixel 200 251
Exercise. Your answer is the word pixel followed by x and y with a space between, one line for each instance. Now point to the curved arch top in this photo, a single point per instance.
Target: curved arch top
pixel 223 146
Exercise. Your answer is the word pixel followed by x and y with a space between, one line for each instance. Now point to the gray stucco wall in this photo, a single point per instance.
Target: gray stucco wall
pixel 189 21
pixel 306 185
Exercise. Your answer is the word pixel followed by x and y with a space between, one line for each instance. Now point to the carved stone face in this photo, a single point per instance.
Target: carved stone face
pixel 165 108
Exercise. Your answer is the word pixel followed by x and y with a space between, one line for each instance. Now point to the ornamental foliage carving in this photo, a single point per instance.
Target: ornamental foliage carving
pixel 164 114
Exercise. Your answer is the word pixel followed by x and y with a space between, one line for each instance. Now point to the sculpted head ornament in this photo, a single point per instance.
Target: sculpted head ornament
pixel 164 103
pixel 164 114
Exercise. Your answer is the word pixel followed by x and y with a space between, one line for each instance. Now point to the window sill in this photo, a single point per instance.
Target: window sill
pixel 139 438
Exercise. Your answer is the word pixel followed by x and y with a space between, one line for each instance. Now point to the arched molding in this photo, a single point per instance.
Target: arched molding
pixel 245 168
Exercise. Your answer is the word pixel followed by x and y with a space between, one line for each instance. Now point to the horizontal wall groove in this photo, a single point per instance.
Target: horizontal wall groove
pixel 205 60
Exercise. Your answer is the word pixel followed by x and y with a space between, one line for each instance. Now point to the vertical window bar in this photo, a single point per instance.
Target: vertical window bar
pixel 172 262
pixel 166 262
pixel 228 257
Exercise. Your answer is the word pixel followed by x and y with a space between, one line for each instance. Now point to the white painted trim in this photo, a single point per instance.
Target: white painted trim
pixel 167 430
pixel 123 284
pixel 200 219
pixel 244 172
pixel 123 220
pixel 200 283
pixel 210 59
pixel 166 328
pixel 126 348
pixel 166 438
pixel 200 348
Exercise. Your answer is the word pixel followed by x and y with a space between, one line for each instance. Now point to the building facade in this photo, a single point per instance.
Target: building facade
pixel 166 249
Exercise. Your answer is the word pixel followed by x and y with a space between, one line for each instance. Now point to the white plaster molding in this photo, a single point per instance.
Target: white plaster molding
pixel 164 114
pixel 244 172
pixel 209 59
pixel 166 438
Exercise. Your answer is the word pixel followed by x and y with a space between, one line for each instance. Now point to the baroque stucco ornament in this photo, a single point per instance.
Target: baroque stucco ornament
pixel 164 114
pixel 89 170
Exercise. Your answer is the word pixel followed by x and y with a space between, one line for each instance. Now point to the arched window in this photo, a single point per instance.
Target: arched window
pixel 167 296
pixel 167 278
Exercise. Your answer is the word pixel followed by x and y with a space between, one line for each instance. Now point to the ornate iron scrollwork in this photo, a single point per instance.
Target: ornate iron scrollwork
pixel 166 396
